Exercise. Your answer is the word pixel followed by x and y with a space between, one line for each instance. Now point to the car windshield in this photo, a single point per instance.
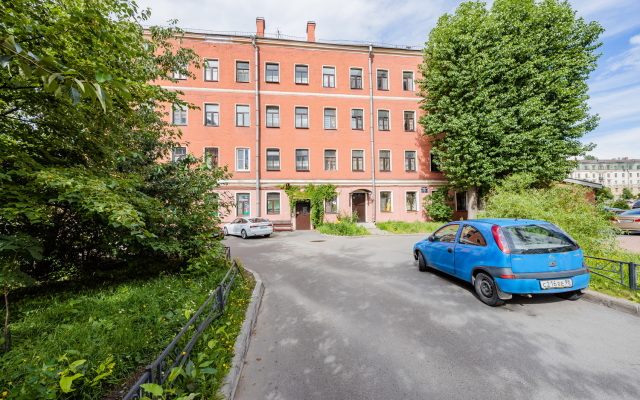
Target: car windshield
pixel 538 239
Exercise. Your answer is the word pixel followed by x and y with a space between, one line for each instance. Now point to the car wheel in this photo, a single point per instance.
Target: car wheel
pixel 267 235
pixel 226 232
pixel 573 295
pixel 243 234
pixel 487 290
pixel 422 263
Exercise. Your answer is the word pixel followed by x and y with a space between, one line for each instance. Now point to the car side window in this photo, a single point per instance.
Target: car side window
pixel 446 234
pixel 472 236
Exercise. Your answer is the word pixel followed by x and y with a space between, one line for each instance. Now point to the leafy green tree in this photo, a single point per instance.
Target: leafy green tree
pixel 604 195
pixel 84 175
pixel 439 205
pixel 627 194
pixel 590 157
pixel 505 91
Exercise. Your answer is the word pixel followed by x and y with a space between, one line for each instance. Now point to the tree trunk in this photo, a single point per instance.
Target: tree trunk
pixel 6 346
pixel 472 202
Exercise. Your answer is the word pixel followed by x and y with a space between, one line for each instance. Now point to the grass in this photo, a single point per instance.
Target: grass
pixel 342 227
pixel 607 286
pixel 116 329
pixel 409 227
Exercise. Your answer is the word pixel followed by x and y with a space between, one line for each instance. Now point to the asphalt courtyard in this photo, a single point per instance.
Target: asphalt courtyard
pixel 353 318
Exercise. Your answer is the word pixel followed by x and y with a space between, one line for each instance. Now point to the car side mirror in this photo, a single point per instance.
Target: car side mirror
pixel 431 238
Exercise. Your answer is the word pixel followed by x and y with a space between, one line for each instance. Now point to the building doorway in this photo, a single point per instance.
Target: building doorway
pixel 359 205
pixel 303 215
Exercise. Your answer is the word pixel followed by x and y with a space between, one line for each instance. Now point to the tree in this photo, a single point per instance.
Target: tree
pixel 505 92
pixel 590 157
pixel 439 205
pixel 626 194
pixel 83 172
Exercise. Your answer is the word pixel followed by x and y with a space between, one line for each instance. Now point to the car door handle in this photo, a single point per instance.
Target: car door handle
pixel 450 250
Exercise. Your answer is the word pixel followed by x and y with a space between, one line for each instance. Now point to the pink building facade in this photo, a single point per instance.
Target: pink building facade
pixel 280 111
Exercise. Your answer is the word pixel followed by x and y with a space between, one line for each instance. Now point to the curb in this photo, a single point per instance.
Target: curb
pixel 615 303
pixel 241 345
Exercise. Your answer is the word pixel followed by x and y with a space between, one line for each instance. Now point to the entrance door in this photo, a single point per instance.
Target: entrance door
pixel 358 205
pixel 303 215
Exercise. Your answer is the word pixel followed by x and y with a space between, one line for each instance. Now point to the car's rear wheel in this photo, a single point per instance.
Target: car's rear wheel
pixel 226 232
pixel 267 235
pixel 422 263
pixel 487 290
pixel 243 234
pixel 573 295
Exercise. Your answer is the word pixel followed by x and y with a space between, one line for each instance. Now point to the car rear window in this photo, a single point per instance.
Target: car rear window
pixel 258 220
pixel 538 239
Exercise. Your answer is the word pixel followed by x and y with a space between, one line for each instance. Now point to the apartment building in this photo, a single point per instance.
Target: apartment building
pixel 616 174
pixel 292 111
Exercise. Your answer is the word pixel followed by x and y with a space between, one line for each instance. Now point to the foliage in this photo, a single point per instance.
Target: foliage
pixel 603 195
pixel 566 206
pixel 505 91
pixel 316 194
pixel 408 227
pixel 439 205
pixel 621 203
pixel 346 225
pixel 626 194
pixel 590 157
pixel 106 333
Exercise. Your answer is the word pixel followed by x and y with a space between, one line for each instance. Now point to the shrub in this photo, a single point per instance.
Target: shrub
pixel 438 205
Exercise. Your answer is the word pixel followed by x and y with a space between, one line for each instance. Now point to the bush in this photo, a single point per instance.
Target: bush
pixel 438 205
pixel 345 226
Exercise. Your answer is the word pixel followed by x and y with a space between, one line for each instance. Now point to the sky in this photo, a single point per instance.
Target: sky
pixel 614 87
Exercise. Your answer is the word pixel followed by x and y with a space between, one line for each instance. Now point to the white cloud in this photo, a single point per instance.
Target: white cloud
pixel 635 40
pixel 619 143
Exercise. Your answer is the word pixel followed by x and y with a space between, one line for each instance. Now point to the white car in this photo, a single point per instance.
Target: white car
pixel 249 226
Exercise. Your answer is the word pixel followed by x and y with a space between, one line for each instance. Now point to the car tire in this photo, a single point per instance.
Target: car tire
pixel 243 234
pixel 267 235
pixel 422 263
pixel 487 290
pixel 573 295
pixel 226 232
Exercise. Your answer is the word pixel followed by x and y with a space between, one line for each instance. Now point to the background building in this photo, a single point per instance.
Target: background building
pixel 615 174
pixel 278 110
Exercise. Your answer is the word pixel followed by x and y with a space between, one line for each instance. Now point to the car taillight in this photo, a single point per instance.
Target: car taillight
pixel 501 241
pixel 254 226
pixel 508 276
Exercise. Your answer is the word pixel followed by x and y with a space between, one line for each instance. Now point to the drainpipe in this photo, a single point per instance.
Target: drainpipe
pixel 257 111
pixel 371 133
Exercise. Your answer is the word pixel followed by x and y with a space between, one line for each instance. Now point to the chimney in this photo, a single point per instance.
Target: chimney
pixel 311 31
pixel 260 26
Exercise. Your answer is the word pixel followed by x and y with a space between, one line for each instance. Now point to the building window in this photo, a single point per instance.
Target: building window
pixel 331 205
pixel 273 159
pixel 407 80
pixel 329 77
pixel 242 115
pixel 242 71
pixel 355 78
pixel 211 70
pixel 357 160
pixel 242 204
pixel 273 116
pixel 272 73
pixel 330 118
pixel 211 156
pixel 302 117
pixel 461 201
pixel 179 115
pixel 410 161
pixel 212 115
pixel 435 163
pixel 302 74
pixel 411 198
pixel 178 153
pixel 302 159
pixel 357 119
pixel 383 120
pixel 242 159
pixel 383 79
pixel 409 121
pixel 180 74
pixel 330 160
pixel 385 201
pixel 273 203
pixel 385 160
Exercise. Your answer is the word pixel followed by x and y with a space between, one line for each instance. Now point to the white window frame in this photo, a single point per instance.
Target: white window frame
pixel 181 112
pixel 266 70
pixel 380 160
pixel 383 207
pixel 248 203
pixel 361 78
pixel 335 118
pixel 385 85
pixel 324 159
pixel 267 167
pixel 303 81
pixel 216 114
pixel 246 120
pixel 248 77
pixel 406 200
pixel 388 120
pixel 361 119
pixel 364 160
pixel 213 70
pixel 296 117
pixel 404 120
pixel 404 87
pixel 245 159
pixel 415 161
pixel 268 123
pixel 329 80
pixel 175 156
pixel 295 152
pixel 266 202
pixel 204 156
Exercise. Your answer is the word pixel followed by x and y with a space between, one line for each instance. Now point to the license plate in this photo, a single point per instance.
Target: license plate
pixel 626 220
pixel 556 284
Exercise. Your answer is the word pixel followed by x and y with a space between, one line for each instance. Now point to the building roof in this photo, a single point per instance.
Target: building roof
pixel 583 183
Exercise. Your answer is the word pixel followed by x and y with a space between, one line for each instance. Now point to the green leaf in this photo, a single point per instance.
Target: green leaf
pixel 67 381
pixel 154 389
pixel 102 77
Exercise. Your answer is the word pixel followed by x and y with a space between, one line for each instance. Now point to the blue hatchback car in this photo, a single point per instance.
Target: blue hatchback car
pixel 502 257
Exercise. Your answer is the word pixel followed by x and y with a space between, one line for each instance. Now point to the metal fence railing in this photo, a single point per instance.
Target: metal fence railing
pixel 622 272
pixel 177 353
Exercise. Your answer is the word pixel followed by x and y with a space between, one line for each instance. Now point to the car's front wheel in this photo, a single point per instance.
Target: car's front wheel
pixel 243 234
pixel 226 232
pixel 487 290
pixel 422 263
